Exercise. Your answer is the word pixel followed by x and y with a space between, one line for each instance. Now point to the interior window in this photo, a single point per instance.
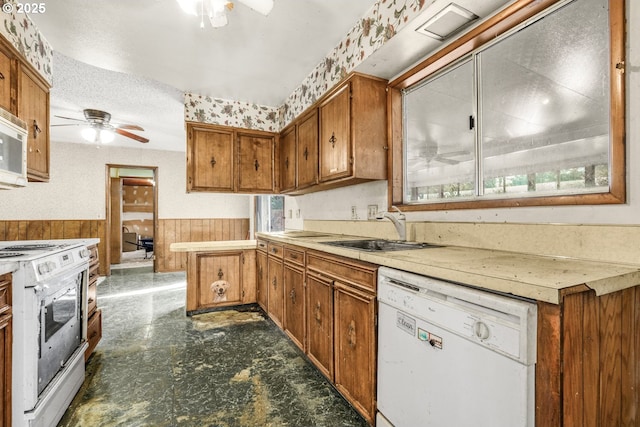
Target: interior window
pixel 269 213
pixel 528 114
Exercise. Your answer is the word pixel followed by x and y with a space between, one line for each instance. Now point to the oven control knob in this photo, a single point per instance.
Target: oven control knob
pixel 85 253
pixel 46 267
pixel 481 330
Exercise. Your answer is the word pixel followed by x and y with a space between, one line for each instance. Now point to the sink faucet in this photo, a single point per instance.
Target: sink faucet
pixel 399 222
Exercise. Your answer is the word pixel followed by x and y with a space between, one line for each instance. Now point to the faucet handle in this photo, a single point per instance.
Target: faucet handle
pixel 401 214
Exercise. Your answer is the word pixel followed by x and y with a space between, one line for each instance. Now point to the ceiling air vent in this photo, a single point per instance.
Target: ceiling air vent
pixel 446 22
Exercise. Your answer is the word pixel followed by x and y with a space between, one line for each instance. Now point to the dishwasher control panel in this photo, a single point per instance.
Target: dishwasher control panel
pixel 503 324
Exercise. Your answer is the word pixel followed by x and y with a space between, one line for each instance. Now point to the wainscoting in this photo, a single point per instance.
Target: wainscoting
pixel 57 229
pixel 193 230
pixel 169 231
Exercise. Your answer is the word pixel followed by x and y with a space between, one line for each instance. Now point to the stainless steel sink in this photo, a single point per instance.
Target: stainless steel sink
pixel 380 245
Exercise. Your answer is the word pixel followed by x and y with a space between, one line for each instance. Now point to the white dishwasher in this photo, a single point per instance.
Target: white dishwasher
pixel 453 356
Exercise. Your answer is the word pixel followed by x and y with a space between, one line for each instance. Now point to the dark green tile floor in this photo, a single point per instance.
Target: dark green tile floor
pixel 157 367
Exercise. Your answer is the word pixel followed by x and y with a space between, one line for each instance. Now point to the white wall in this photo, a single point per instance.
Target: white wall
pixel 335 204
pixel 77 187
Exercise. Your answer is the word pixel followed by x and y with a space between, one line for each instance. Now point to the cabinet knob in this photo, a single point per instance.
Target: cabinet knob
pixel 220 274
pixel 316 312
pixel 213 161
pixel 36 129
pixel 256 165
pixel 1 76
pixel 275 283
pixel 351 334
pixel 286 162
pixel 292 295
pixel 306 153
pixel 333 140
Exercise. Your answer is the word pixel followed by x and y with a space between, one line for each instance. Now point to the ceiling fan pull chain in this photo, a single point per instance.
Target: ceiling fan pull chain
pixel 256 164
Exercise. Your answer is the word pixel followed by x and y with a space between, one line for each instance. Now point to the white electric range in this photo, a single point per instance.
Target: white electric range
pixel 49 326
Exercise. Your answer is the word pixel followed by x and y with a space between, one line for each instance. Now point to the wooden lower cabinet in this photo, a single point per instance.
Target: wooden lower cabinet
pixel 319 313
pixel 94 315
pixel 219 279
pixel 6 340
pixel 275 289
pixel 294 304
pixel 261 279
pixel 355 347
pixel 330 312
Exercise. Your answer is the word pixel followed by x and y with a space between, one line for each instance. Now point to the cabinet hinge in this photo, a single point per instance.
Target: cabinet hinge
pixel 375 320
pixel 351 160
pixel 242 294
pixel 242 258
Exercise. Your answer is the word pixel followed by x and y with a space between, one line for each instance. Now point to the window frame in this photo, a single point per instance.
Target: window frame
pixel 498 25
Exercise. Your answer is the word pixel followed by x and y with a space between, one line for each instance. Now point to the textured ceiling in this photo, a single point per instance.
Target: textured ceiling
pixel 135 59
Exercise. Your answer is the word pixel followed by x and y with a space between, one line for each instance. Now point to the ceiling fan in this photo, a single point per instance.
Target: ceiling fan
pixel 429 153
pixel 215 9
pixel 100 129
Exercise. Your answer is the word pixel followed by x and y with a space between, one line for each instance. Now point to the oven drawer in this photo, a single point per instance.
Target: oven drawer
pixel 94 333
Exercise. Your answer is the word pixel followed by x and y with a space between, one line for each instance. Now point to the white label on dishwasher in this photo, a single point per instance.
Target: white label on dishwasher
pixel 406 323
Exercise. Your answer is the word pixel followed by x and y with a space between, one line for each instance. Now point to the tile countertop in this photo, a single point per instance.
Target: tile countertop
pixel 530 276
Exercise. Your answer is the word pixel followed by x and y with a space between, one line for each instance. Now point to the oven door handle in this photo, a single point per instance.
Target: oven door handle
pixel 40 289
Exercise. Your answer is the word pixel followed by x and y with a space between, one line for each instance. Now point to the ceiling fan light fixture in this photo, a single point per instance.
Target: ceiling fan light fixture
pixel 106 136
pixel 89 134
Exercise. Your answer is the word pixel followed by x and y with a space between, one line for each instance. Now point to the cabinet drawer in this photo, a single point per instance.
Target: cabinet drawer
pixel 92 301
pixel 275 249
pixel 94 333
pixel 294 256
pixel 262 245
pixel 5 296
pixel 360 274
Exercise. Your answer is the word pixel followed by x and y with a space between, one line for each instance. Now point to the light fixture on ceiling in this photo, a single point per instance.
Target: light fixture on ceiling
pixel 97 134
pixel 446 22
pixel 215 10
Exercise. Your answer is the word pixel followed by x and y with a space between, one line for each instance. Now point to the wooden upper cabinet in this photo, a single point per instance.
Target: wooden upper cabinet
pixel 225 159
pixel 256 157
pixel 342 139
pixel 335 142
pixel 209 159
pixel 307 144
pixel 33 108
pixel 8 78
pixel 288 159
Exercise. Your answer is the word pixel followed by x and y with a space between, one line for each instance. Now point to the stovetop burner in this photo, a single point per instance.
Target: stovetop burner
pixel 29 247
pixel 10 254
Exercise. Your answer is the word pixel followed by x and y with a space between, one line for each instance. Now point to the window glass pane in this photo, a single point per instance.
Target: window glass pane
pixel 544 105
pixel 269 213
pixel 439 144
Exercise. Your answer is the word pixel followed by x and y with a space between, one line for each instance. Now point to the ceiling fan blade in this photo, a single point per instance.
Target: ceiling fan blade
pixel 131 135
pixel 130 127
pixel 69 124
pixel 445 160
pixel 455 153
pixel 69 118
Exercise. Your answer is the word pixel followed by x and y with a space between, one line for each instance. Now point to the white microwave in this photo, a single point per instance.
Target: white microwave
pixel 13 151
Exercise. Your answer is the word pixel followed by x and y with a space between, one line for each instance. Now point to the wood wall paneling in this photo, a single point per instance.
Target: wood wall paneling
pixel 193 230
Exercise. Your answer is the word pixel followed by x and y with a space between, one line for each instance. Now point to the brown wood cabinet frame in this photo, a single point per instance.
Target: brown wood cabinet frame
pixel 493 27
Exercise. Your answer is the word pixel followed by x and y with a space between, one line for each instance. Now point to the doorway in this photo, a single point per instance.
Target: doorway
pixel 132 212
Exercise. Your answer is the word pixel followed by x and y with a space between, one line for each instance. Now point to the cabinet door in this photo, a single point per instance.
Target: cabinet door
pixel 34 110
pixel 5 368
pixel 288 160
pixel 7 74
pixel 335 140
pixel 319 313
pixel 307 155
pixel 256 155
pixel 261 278
pixel 275 287
pixel 355 346
pixel 209 159
pixel 219 279
pixel 294 304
